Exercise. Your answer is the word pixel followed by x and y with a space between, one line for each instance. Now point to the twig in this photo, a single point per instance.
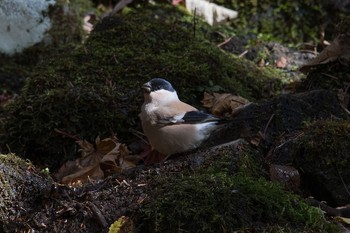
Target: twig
pixel 225 41
pixel 268 123
pixel 345 109
pixel 194 22
pixel 330 76
pixel 346 91
pixel 67 134
pixel 139 135
pixel 242 54
pixel 119 6
pixel 343 103
pixel 307 51
pixel 97 213
pixel 342 180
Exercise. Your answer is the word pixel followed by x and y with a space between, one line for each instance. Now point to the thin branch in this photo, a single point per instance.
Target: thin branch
pixel 268 123
pixel 119 6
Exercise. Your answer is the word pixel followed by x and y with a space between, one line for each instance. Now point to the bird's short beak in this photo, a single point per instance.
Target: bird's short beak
pixel 146 87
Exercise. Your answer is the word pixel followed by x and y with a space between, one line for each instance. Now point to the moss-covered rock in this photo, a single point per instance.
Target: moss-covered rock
pixel 93 90
pixel 21 190
pixel 265 121
pixel 323 156
pixel 321 153
pixel 331 76
pixel 214 200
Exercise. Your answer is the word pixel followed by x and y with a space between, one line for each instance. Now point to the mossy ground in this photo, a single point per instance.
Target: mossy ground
pixel 331 76
pixel 94 89
pixel 21 188
pixel 332 144
pixel 287 22
pixel 218 200
pixel 322 153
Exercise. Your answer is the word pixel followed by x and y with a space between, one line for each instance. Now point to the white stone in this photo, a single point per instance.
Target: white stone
pixel 23 23
pixel 211 12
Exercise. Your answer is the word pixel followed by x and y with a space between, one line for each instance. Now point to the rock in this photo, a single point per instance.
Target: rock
pixel 320 153
pixel 23 23
pixel 284 114
pixel 40 24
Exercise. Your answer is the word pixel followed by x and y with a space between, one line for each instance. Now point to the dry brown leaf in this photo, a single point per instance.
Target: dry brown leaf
pixel 109 162
pixel 83 175
pixel 338 49
pixel 286 175
pixel 125 161
pixel 91 154
pixel 106 145
pixel 257 138
pixel 224 105
pixel 5 98
pixel 85 147
pixel 281 62
pixel 106 157
pixel 117 160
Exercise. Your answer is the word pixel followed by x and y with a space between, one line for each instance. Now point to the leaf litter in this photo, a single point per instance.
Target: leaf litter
pixel 97 161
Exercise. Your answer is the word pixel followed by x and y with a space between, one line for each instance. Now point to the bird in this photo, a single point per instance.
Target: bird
pixel 171 125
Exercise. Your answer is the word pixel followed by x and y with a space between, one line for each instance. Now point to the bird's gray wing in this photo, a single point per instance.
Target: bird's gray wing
pixel 191 117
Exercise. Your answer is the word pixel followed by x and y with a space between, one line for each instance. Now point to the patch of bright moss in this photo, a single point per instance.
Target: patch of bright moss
pixel 288 22
pixel 229 203
pixel 94 89
pixel 329 142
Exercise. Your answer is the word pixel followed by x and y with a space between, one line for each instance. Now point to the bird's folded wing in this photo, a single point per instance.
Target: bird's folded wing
pixel 192 117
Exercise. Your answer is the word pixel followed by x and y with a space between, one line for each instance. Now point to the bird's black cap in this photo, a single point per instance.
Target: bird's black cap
pixel 158 84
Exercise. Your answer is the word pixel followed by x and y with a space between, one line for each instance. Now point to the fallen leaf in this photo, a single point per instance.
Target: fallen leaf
pixel 343 220
pixel 281 62
pixel 257 138
pixel 117 160
pixel 5 98
pixel 88 21
pixel 97 160
pixel 224 105
pixel 122 225
pixel 339 49
pixel 83 175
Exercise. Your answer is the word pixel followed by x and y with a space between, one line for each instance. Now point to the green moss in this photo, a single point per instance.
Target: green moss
pixel 288 22
pixel 93 89
pixel 322 155
pixel 332 76
pixel 327 142
pixel 226 202
pixel 247 161
pixel 22 188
